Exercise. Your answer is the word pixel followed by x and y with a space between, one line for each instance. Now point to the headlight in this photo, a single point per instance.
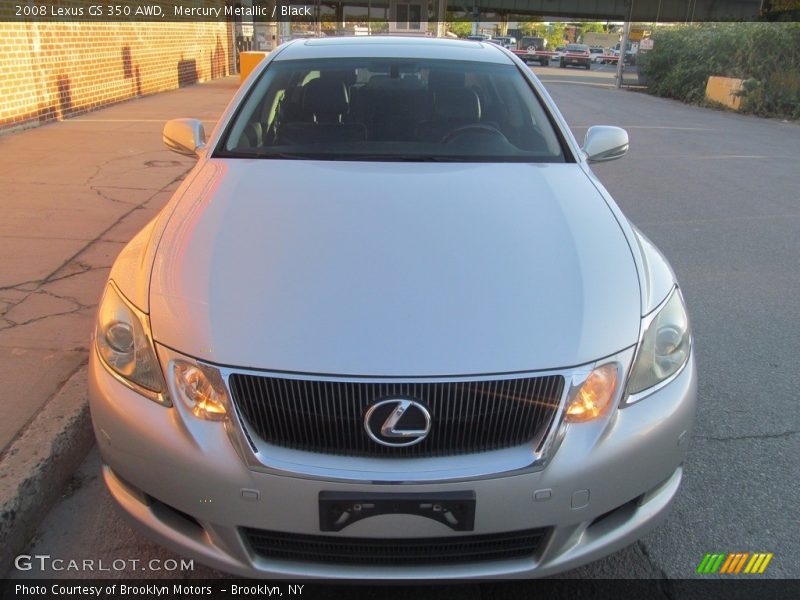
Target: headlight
pixel 202 389
pixel 124 345
pixel 664 348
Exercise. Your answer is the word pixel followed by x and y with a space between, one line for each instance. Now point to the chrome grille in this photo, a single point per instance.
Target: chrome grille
pixel 466 417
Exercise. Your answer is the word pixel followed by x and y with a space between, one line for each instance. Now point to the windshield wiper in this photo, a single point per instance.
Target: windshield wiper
pixel 430 158
pixel 284 155
pixel 399 157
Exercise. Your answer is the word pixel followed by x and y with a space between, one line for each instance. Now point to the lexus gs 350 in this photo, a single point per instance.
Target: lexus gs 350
pixel 339 352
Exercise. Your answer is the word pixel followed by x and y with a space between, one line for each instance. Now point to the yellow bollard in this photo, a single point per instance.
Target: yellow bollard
pixel 248 62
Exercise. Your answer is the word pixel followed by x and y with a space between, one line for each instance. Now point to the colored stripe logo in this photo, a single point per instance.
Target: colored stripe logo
pixel 737 562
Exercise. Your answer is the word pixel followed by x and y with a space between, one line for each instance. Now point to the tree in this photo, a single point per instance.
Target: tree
pixel 555 35
pixel 533 28
pixel 587 27
pixel 460 27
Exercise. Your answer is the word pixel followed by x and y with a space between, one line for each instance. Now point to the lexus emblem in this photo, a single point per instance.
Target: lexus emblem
pixel 397 422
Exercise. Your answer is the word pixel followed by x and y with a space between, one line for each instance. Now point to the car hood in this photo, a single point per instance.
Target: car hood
pixel 394 269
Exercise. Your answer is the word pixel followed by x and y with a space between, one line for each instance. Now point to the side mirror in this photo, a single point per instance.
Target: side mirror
pixel 184 136
pixel 604 142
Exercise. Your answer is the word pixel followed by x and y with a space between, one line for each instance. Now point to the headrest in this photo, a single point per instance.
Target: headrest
pixel 325 97
pixel 444 79
pixel 346 76
pixel 379 82
pixel 457 103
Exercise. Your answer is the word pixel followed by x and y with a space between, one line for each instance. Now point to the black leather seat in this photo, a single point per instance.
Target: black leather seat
pixel 453 107
pixel 324 106
pixel 325 100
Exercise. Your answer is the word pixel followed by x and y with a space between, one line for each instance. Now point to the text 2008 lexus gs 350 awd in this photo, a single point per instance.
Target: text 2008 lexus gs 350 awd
pixel 339 352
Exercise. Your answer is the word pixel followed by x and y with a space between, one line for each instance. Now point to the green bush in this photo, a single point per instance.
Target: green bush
pixel 767 55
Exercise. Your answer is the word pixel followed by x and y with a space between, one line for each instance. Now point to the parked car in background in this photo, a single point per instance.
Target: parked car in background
pixel 336 354
pixel 607 59
pixel 532 42
pixel 534 50
pixel 630 52
pixel 506 41
pixel 597 54
pixel 577 55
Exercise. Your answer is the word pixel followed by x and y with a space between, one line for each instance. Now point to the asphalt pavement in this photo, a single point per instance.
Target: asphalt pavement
pixel 73 194
pixel 719 193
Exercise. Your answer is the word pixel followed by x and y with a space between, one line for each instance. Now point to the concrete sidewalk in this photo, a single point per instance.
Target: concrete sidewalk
pixel 73 193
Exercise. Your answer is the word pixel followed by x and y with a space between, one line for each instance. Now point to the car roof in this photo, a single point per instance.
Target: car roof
pixel 380 46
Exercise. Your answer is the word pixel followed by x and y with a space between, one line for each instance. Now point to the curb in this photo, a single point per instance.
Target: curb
pixel 39 462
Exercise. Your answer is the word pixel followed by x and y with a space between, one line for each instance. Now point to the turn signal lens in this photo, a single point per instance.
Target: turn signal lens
pixel 594 397
pixel 201 389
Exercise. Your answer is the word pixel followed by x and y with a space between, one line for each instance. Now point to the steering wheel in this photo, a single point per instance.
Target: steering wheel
pixel 481 128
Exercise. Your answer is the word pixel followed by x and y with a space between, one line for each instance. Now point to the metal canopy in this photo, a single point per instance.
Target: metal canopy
pixel 633 10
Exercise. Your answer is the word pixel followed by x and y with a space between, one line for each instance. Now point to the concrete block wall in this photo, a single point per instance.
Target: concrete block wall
pixel 51 71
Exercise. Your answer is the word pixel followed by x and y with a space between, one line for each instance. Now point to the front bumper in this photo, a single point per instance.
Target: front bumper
pixel 187 487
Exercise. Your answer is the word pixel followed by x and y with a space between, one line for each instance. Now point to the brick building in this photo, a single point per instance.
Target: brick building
pixel 53 70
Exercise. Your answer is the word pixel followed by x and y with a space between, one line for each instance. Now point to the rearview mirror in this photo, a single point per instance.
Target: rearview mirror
pixel 604 142
pixel 184 136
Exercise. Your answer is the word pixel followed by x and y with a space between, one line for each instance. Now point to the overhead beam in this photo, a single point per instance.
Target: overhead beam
pixel 618 10
pixel 635 10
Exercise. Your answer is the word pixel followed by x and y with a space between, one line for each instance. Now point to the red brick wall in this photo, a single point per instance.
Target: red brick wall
pixel 56 70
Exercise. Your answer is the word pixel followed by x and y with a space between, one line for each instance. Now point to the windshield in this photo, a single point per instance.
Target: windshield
pixel 392 109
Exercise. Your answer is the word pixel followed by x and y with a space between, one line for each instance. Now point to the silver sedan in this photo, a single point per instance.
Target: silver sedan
pixel 338 352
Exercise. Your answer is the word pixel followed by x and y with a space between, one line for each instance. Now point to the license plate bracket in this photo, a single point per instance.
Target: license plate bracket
pixel 337 510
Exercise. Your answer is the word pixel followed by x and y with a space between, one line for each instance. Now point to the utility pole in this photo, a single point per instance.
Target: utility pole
pixel 441 18
pixel 623 45
pixel 284 31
